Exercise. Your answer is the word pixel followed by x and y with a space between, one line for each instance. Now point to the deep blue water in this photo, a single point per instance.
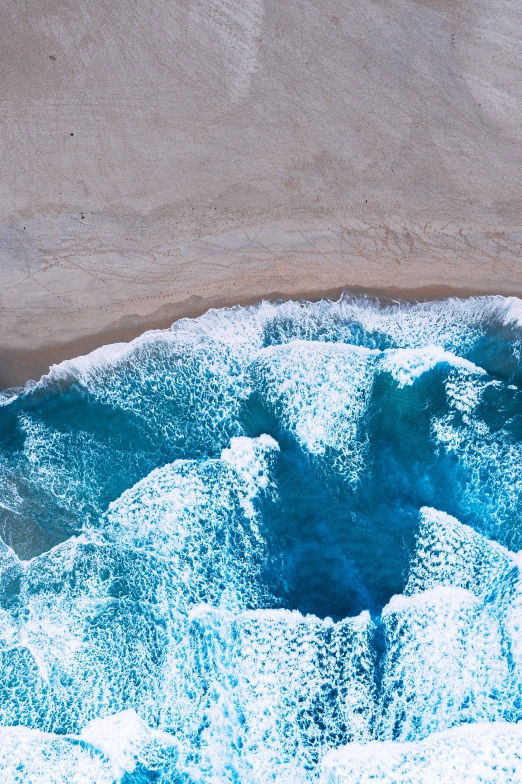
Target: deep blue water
pixel 236 545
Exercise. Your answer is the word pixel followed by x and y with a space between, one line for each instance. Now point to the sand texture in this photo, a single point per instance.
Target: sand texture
pixel 158 158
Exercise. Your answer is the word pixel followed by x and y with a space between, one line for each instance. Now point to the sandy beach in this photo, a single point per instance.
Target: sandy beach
pixel 158 159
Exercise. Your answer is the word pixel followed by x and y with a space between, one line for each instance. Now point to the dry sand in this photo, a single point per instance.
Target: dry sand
pixel 163 156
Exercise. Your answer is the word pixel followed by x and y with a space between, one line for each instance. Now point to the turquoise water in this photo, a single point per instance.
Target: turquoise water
pixel 235 549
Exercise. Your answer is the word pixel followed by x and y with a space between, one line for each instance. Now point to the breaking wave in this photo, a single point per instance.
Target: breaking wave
pixel 276 543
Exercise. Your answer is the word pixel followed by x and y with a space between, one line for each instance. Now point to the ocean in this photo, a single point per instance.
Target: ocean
pixel 271 544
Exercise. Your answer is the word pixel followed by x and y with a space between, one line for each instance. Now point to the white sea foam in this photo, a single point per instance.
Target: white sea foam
pixel 269 693
pixel 10 568
pixel 7 397
pixel 248 456
pixel 279 689
pixel 513 312
pixel 407 364
pixel 193 513
pixel 451 554
pixel 180 536
pixel 451 323
pixel 320 392
pixel 79 653
pixel 63 466
pixel 35 757
pixel 492 470
pixel 81 369
pixel 455 324
pixel 125 739
pixel 111 626
pixel 468 755
pixel 61 477
pixel 235 328
pixel 490 457
pixel 102 753
pixel 464 390
pixel 444 664
pixel 186 385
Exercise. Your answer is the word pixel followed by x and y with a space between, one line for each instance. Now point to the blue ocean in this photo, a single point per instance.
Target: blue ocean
pixel 271 544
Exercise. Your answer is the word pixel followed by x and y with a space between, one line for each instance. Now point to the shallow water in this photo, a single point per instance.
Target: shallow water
pixel 230 547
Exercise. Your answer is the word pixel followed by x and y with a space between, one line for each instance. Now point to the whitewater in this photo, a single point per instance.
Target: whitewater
pixel 271 544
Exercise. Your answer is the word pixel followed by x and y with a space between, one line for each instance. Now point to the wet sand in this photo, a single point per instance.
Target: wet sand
pixel 151 293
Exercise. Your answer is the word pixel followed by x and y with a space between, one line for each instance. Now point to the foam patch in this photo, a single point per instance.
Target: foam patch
pixel 468 754
pixel 444 664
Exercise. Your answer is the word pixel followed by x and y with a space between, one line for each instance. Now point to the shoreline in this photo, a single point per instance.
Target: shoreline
pixel 18 366
pixel 65 293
